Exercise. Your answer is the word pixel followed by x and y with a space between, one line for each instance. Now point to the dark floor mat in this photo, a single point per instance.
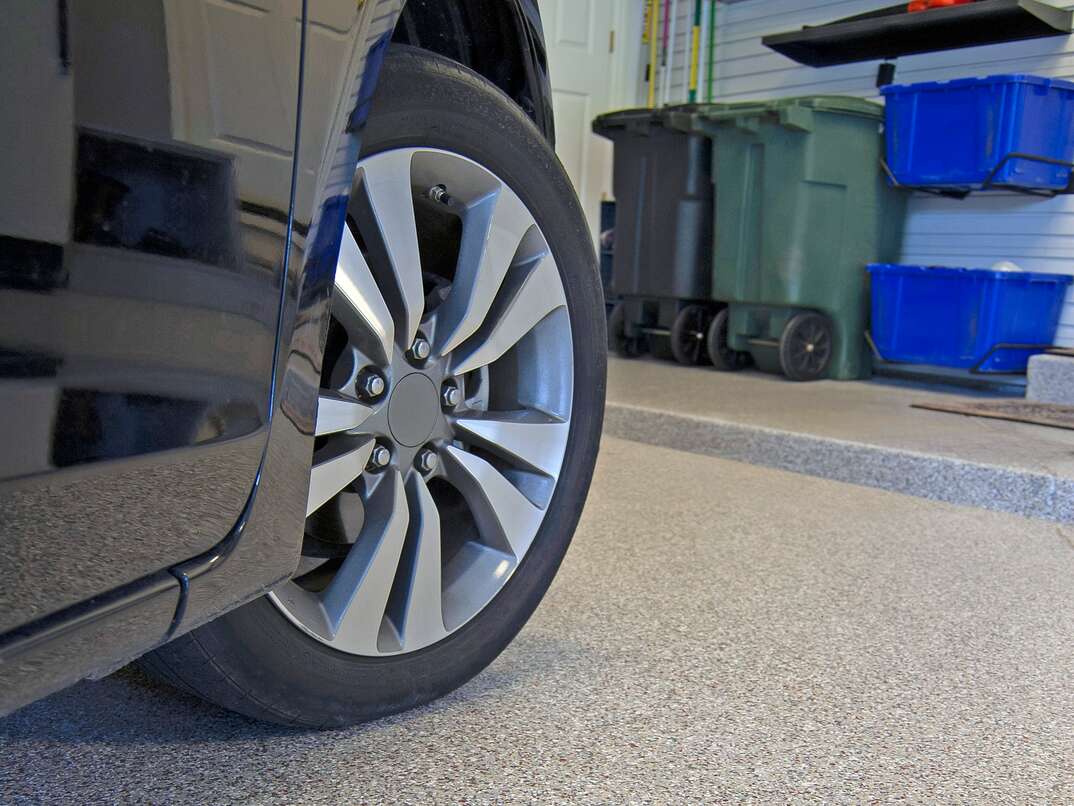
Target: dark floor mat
pixel 1019 411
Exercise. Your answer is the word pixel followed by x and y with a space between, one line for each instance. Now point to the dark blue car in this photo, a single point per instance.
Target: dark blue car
pixel 301 347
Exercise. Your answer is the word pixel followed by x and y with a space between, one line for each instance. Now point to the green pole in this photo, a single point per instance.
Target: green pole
pixel 711 66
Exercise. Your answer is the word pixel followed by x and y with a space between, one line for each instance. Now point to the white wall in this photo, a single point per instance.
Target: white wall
pixel 593 64
pixel 1036 234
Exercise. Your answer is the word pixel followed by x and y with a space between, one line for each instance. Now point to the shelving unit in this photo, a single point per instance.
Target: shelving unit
pixel 892 32
pixel 988 184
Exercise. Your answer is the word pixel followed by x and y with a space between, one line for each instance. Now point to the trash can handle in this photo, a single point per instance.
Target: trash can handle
pixel 691 122
pixel 680 120
pixel 796 118
pixel 721 115
pixel 745 118
pixel 748 118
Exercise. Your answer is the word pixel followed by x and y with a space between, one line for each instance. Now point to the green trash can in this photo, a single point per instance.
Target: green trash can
pixel 802 207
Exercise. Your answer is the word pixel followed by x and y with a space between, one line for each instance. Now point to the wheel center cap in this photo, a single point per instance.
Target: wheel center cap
pixel 413 409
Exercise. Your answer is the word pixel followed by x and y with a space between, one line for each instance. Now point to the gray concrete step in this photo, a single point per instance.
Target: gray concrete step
pixel 1051 379
pixel 859 433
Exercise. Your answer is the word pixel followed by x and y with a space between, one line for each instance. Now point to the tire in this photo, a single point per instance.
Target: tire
pixel 722 356
pixel 618 342
pixel 261 659
pixel 688 335
pixel 805 347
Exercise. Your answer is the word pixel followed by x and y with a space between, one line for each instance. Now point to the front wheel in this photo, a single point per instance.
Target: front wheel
pixel 460 410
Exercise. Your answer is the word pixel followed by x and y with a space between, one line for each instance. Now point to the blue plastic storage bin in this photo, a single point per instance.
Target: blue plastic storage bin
pixel 957 317
pixel 954 134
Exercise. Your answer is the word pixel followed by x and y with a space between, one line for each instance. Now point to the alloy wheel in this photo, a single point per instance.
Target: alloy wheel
pixel 444 407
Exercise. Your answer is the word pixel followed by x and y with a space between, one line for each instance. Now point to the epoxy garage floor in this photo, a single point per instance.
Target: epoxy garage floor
pixel 719 631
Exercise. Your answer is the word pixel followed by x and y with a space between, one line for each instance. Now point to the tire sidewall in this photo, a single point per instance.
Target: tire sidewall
pixel 424 100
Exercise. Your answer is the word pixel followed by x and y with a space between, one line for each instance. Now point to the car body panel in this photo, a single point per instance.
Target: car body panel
pixel 92 638
pixel 178 489
pixel 264 547
pixel 137 347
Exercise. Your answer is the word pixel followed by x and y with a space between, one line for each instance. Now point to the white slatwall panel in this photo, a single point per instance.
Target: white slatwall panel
pixel 1036 234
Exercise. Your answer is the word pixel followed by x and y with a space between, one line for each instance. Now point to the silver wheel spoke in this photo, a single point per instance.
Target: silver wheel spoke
pixel 423 620
pixel 492 231
pixel 386 182
pixel 330 476
pixel 527 438
pixel 536 295
pixel 358 303
pixel 429 556
pixel 337 413
pixel 504 516
pixel 356 599
pixel 307 564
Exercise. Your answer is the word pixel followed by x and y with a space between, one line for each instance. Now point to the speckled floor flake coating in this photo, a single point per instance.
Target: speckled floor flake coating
pixel 1051 379
pixel 719 631
pixel 857 432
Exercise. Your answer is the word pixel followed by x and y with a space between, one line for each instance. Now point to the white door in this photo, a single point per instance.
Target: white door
pixel 578 37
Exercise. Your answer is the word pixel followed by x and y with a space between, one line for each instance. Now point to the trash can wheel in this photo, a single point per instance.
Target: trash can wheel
pixel 618 341
pixel 805 348
pixel 688 334
pixel 723 357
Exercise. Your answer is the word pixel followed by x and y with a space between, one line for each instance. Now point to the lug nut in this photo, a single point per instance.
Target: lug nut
pixel 379 457
pixel 438 193
pixel 420 349
pixel 450 396
pixel 426 461
pixel 371 384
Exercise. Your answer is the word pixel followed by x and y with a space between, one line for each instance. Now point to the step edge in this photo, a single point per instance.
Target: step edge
pixel 998 488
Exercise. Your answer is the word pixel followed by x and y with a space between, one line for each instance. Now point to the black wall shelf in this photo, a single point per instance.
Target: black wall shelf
pixel 892 32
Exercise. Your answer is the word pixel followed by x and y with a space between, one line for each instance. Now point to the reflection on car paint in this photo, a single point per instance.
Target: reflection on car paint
pixel 145 320
pixel 157 198
pixel 141 257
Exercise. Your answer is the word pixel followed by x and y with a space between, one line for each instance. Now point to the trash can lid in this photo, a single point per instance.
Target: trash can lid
pixel 705 116
pixel 621 119
pixel 641 119
pixel 824 103
pixel 833 103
